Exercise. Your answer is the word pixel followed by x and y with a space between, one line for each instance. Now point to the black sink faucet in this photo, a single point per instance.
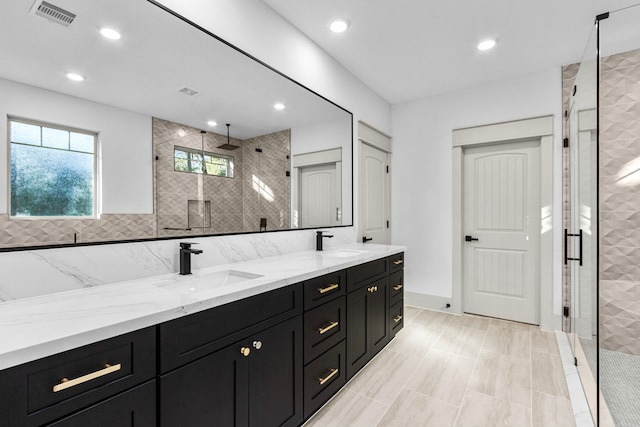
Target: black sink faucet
pixel 319 237
pixel 185 256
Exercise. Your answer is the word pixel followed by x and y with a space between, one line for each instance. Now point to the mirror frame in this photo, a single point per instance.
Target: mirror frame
pixel 151 239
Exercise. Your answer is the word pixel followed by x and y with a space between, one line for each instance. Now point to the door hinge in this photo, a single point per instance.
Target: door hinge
pixel 575 361
pixel 565 142
pixel 575 89
pixel 387 223
pixel 565 311
pixel 387 168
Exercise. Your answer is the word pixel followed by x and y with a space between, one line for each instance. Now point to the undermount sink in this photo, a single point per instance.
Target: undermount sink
pixel 207 282
pixel 344 253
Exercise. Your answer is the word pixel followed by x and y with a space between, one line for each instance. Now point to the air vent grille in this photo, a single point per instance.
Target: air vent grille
pixel 53 13
pixel 189 91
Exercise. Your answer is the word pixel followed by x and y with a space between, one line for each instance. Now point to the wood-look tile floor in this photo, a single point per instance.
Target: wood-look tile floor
pixel 447 370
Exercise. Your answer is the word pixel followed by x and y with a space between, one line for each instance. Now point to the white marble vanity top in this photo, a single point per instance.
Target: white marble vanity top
pixel 37 327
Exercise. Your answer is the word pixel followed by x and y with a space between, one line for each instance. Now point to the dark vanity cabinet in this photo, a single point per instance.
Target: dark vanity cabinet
pixel 324 339
pixel 108 383
pixel 272 359
pixel 241 364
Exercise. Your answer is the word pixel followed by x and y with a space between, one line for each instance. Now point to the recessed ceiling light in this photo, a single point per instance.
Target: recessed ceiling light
pixel 75 77
pixel 110 33
pixel 339 25
pixel 486 44
pixel 212 123
pixel 278 106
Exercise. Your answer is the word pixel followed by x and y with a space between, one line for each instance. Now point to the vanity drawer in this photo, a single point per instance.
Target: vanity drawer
pixel 323 378
pixel 396 318
pixel 396 262
pixel 324 288
pixel 191 337
pixel 360 275
pixel 396 287
pixel 49 388
pixel 324 327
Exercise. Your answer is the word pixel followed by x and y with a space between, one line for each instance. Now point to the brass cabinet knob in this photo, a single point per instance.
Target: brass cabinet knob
pixel 373 289
pixel 245 351
pixel 257 345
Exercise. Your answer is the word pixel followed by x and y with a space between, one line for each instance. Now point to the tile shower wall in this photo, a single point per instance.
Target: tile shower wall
pixel 260 188
pixel 174 190
pixel 620 203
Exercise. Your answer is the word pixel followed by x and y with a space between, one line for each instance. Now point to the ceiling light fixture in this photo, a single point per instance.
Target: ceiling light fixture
pixel 339 25
pixel 110 33
pixel 212 123
pixel 486 44
pixel 278 106
pixel 75 77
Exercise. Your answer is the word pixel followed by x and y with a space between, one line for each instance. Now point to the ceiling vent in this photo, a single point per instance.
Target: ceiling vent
pixel 52 13
pixel 189 91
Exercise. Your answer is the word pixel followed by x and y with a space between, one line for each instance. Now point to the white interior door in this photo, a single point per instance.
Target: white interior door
pixel 319 196
pixel 373 194
pixel 502 211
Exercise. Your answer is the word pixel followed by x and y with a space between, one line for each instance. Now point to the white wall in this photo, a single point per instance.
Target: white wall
pixel 421 187
pixel 125 141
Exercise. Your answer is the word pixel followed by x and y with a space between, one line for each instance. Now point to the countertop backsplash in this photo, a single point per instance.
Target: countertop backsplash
pixel 45 271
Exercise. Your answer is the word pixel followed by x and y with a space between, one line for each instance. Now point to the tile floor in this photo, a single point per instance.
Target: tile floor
pixel 448 370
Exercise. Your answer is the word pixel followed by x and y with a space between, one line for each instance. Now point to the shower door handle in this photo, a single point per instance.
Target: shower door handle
pixel 566 246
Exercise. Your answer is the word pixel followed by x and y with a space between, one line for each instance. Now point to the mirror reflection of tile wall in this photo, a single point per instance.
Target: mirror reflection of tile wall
pixel 258 192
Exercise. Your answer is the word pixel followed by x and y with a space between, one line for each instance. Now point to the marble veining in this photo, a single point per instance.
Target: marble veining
pixel 45 324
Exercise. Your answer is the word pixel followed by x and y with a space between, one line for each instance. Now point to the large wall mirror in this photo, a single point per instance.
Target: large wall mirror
pixel 169 132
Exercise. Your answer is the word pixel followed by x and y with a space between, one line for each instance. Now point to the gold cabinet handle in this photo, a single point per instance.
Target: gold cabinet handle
pixel 397 318
pixel 328 288
pixel 398 262
pixel 328 327
pixel 66 383
pixel 332 374
pixel 245 351
pixel 397 287
pixel 373 289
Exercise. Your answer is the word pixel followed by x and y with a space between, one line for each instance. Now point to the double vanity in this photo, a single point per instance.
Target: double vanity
pixel 264 342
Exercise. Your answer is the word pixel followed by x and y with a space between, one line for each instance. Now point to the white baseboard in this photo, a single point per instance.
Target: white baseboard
pixel 431 302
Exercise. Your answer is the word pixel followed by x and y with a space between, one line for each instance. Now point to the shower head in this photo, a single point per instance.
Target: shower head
pixel 228 145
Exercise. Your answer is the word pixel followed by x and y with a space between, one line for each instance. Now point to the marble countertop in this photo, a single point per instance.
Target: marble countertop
pixel 37 327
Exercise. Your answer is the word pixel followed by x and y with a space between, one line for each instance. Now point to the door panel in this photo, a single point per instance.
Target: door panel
pixel 319 196
pixel 501 211
pixel 374 194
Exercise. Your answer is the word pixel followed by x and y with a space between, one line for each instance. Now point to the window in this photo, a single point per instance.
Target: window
pixel 196 161
pixel 53 170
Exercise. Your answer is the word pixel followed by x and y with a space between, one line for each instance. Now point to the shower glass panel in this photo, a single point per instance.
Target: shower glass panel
pixel 581 220
pixel 619 209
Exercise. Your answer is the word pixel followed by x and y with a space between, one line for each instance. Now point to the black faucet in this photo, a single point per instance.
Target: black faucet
pixel 185 256
pixel 319 237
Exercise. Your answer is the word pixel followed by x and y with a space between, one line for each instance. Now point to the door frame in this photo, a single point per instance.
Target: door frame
pixel 540 128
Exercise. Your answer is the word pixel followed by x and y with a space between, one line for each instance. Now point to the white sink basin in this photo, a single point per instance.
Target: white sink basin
pixel 344 253
pixel 207 282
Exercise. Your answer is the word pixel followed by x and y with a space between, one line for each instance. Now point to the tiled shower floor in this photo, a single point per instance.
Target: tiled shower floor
pixel 620 386
pixel 448 370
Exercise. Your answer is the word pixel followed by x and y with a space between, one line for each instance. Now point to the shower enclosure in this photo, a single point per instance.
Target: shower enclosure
pixel 602 217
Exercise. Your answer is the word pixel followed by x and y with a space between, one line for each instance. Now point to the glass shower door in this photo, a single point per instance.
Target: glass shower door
pixel 581 232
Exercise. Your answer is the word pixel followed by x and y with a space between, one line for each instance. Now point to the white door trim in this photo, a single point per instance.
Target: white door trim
pixel 537 127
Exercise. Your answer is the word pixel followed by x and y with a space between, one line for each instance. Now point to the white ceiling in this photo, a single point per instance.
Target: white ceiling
pixel 409 49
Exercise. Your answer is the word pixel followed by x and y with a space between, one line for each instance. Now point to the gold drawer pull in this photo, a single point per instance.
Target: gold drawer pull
pixel 328 288
pixel 373 289
pixel 67 383
pixel 328 327
pixel 333 373
pixel 397 287
pixel 245 351
pixel 398 262
pixel 397 319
